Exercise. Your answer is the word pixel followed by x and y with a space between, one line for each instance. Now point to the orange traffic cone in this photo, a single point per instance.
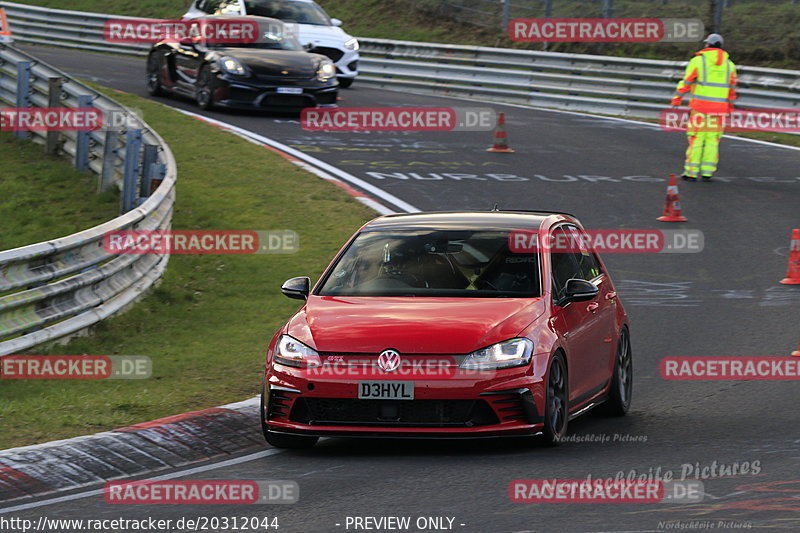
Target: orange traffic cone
pixel 672 206
pixel 796 353
pixel 793 272
pixel 500 136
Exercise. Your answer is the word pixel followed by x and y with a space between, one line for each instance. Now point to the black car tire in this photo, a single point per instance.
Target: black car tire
pixel 154 87
pixel 556 412
pixel 282 440
pixel 619 397
pixel 345 83
pixel 204 88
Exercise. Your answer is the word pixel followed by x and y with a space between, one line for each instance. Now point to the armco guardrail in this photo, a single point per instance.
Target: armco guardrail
pixel 597 84
pixel 56 288
pixel 579 82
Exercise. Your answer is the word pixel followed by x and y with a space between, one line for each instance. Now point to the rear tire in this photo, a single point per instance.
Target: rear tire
pixel 556 414
pixel 619 397
pixel 154 87
pixel 282 440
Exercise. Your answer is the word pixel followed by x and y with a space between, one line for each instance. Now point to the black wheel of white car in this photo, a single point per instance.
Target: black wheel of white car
pixel 345 83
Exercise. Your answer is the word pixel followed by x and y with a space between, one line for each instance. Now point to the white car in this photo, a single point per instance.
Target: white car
pixel 314 28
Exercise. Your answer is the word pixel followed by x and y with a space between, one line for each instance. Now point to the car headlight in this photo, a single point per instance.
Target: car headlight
pixel 231 65
pixel 291 352
pixel 326 71
pixel 352 44
pixel 507 354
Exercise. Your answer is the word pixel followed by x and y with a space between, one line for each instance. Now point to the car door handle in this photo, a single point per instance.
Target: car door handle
pixel 592 307
pixel 611 295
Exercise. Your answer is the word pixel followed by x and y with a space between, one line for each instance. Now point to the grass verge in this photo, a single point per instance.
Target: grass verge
pixel 207 325
pixel 43 193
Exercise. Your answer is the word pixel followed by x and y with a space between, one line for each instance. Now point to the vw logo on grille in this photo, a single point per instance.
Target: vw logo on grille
pixel 389 360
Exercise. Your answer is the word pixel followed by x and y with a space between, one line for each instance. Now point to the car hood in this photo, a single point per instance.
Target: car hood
pixel 279 63
pixel 332 36
pixel 411 325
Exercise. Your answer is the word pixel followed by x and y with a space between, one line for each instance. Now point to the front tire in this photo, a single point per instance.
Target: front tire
pixel 154 87
pixel 345 83
pixel 204 88
pixel 556 414
pixel 282 440
pixel 619 397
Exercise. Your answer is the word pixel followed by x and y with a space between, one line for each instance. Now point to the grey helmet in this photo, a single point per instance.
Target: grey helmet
pixel 715 40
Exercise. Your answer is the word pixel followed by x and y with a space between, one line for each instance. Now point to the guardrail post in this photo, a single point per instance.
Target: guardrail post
pixel 149 158
pixel 133 145
pixel 110 144
pixel 158 171
pixel 548 14
pixel 608 9
pixel 505 15
pixel 53 143
pixel 82 139
pixel 716 11
pixel 23 91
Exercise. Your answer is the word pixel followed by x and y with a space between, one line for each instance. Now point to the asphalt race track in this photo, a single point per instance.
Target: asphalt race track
pixel 724 301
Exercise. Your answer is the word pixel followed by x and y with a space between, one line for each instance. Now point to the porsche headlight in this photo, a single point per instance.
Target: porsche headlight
pixel 507 354
pixel 291 352
pixel 326 71
pixel 352 44
pixel 231 65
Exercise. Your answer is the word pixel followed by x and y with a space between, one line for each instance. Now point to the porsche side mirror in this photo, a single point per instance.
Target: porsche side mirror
pixel 297 288
pixel 579 290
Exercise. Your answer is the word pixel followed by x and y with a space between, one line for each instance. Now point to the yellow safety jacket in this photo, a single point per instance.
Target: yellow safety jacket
pixel 711 78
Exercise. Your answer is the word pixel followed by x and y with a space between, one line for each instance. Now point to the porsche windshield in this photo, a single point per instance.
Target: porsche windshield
pixel 459 263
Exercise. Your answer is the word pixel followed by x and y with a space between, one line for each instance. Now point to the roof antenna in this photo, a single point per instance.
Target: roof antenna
pixel 496 208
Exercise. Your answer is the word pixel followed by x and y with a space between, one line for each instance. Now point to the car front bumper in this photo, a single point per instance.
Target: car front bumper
pixel 510 404
pixel 239 93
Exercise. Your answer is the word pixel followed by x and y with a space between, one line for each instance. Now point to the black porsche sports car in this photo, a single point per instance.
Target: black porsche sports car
pixel 272 71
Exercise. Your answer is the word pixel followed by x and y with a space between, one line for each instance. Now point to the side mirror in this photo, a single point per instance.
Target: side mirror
pixel 308 47
pixel 297 288
pixel 579 290
pixel 336 22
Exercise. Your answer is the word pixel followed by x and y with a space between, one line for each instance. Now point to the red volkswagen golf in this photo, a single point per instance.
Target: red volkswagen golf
pixel 443 325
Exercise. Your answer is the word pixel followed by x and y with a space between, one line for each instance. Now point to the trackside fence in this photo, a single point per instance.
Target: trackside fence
pixel 578 82
pixel 57 288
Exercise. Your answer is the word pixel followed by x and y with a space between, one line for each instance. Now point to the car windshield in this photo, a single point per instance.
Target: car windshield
pixel 272 36
pixel 457 263
pixel 299 12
